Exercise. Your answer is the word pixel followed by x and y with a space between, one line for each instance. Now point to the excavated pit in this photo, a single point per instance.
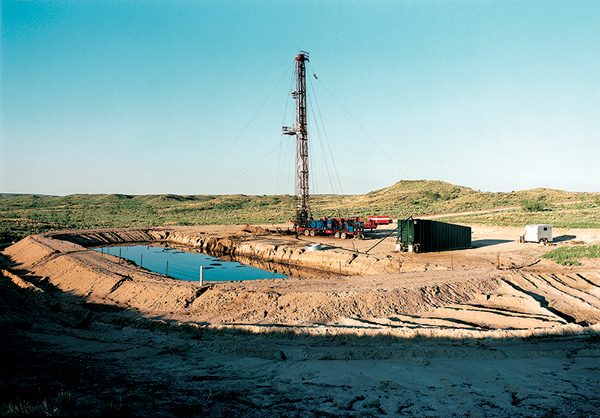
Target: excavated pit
pixel 355 292
pixel 118 339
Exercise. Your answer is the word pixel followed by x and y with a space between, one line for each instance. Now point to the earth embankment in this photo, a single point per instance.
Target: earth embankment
pixel 468 300
pixel 92 334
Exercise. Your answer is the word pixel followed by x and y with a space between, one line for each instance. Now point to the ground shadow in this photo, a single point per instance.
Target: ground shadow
pixel 379 234
pixel 71 381
pixel 488 242
pixel 563 238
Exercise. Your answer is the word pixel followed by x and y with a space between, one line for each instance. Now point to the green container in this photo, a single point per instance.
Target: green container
pixel 424 235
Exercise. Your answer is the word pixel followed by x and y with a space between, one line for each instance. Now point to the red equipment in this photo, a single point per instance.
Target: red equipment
pixel 380 220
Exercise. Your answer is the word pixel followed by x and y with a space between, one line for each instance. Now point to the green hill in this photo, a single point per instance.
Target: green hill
pixel 427 197
pixel 21 215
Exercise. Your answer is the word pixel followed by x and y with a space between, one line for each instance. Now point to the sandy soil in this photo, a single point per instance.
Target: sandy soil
pixel 441 334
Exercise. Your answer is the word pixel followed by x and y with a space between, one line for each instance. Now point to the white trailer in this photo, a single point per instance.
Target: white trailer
pixel 538 233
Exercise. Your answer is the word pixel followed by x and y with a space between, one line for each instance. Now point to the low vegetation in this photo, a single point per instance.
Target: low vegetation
pixel 567 256
pixel 560 215
pixel 534 205
pixel 21 215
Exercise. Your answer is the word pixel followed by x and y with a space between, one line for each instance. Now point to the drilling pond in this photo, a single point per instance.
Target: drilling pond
pixel 185 265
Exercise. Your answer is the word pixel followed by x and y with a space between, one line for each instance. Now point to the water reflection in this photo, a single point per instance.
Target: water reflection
pixel 277 268
pixel 283 269
pixel 185 265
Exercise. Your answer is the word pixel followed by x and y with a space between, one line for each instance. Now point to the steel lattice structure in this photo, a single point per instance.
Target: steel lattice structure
pixel 301 132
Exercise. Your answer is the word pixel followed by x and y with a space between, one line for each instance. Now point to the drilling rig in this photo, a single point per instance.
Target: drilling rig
pixel 301 132
pixel 339 227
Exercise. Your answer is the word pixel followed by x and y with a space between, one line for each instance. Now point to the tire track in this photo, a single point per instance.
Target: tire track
pixel 557 298
pixel 542 301
pixel 570 292
pixel 505 312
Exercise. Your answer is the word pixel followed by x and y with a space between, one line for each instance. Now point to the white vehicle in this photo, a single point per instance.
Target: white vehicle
pixel 538 233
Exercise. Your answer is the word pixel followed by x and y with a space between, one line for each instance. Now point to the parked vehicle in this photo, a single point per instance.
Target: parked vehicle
pixel 537 233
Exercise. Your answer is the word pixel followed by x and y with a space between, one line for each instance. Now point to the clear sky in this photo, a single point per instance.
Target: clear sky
pixel 188 97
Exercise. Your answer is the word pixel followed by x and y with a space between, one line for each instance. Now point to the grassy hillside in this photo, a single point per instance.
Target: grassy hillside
pixel 22 215
pixel 423 197
pixel 582 214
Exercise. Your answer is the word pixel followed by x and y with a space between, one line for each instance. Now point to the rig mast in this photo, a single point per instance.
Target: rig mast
pixel 301 132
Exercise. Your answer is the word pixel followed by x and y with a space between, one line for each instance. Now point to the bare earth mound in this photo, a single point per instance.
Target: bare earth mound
pixel 403 334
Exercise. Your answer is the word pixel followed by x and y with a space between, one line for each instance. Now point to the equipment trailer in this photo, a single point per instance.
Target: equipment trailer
pixel 373 221
pixel 380 220
pixel 338 227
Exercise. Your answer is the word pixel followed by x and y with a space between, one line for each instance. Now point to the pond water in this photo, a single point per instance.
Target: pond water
pixel 185 265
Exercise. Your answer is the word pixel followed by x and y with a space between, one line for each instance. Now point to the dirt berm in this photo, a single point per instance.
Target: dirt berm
pixel 353 291
pixel 493 331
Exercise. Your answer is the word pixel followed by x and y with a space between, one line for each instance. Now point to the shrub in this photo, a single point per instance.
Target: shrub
pixel 533 205
pixel 430 195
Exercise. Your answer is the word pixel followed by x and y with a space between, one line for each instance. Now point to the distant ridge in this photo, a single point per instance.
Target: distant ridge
pixel 420 197
pixel 26 194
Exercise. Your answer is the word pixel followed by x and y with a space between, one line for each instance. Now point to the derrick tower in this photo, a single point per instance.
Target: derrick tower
pixel 301 132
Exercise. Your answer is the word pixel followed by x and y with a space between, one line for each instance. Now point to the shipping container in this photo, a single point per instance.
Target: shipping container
pixel 424 235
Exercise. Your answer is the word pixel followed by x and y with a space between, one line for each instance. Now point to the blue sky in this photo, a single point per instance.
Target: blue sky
pixel 188 97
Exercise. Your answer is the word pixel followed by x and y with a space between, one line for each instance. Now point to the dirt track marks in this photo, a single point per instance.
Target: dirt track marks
pixel 574 299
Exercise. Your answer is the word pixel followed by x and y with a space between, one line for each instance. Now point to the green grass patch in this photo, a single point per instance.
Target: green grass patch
pixel 567 256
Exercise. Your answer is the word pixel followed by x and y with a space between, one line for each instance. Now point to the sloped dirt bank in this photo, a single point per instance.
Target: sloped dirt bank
pixel 262 245
pixel 88 334
pixel 65 260
pixel 256 243
pixel 441 301
pixel 77 270
pixel 70 357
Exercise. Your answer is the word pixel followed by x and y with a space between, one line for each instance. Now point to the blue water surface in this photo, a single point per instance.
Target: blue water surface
pixel 186 266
